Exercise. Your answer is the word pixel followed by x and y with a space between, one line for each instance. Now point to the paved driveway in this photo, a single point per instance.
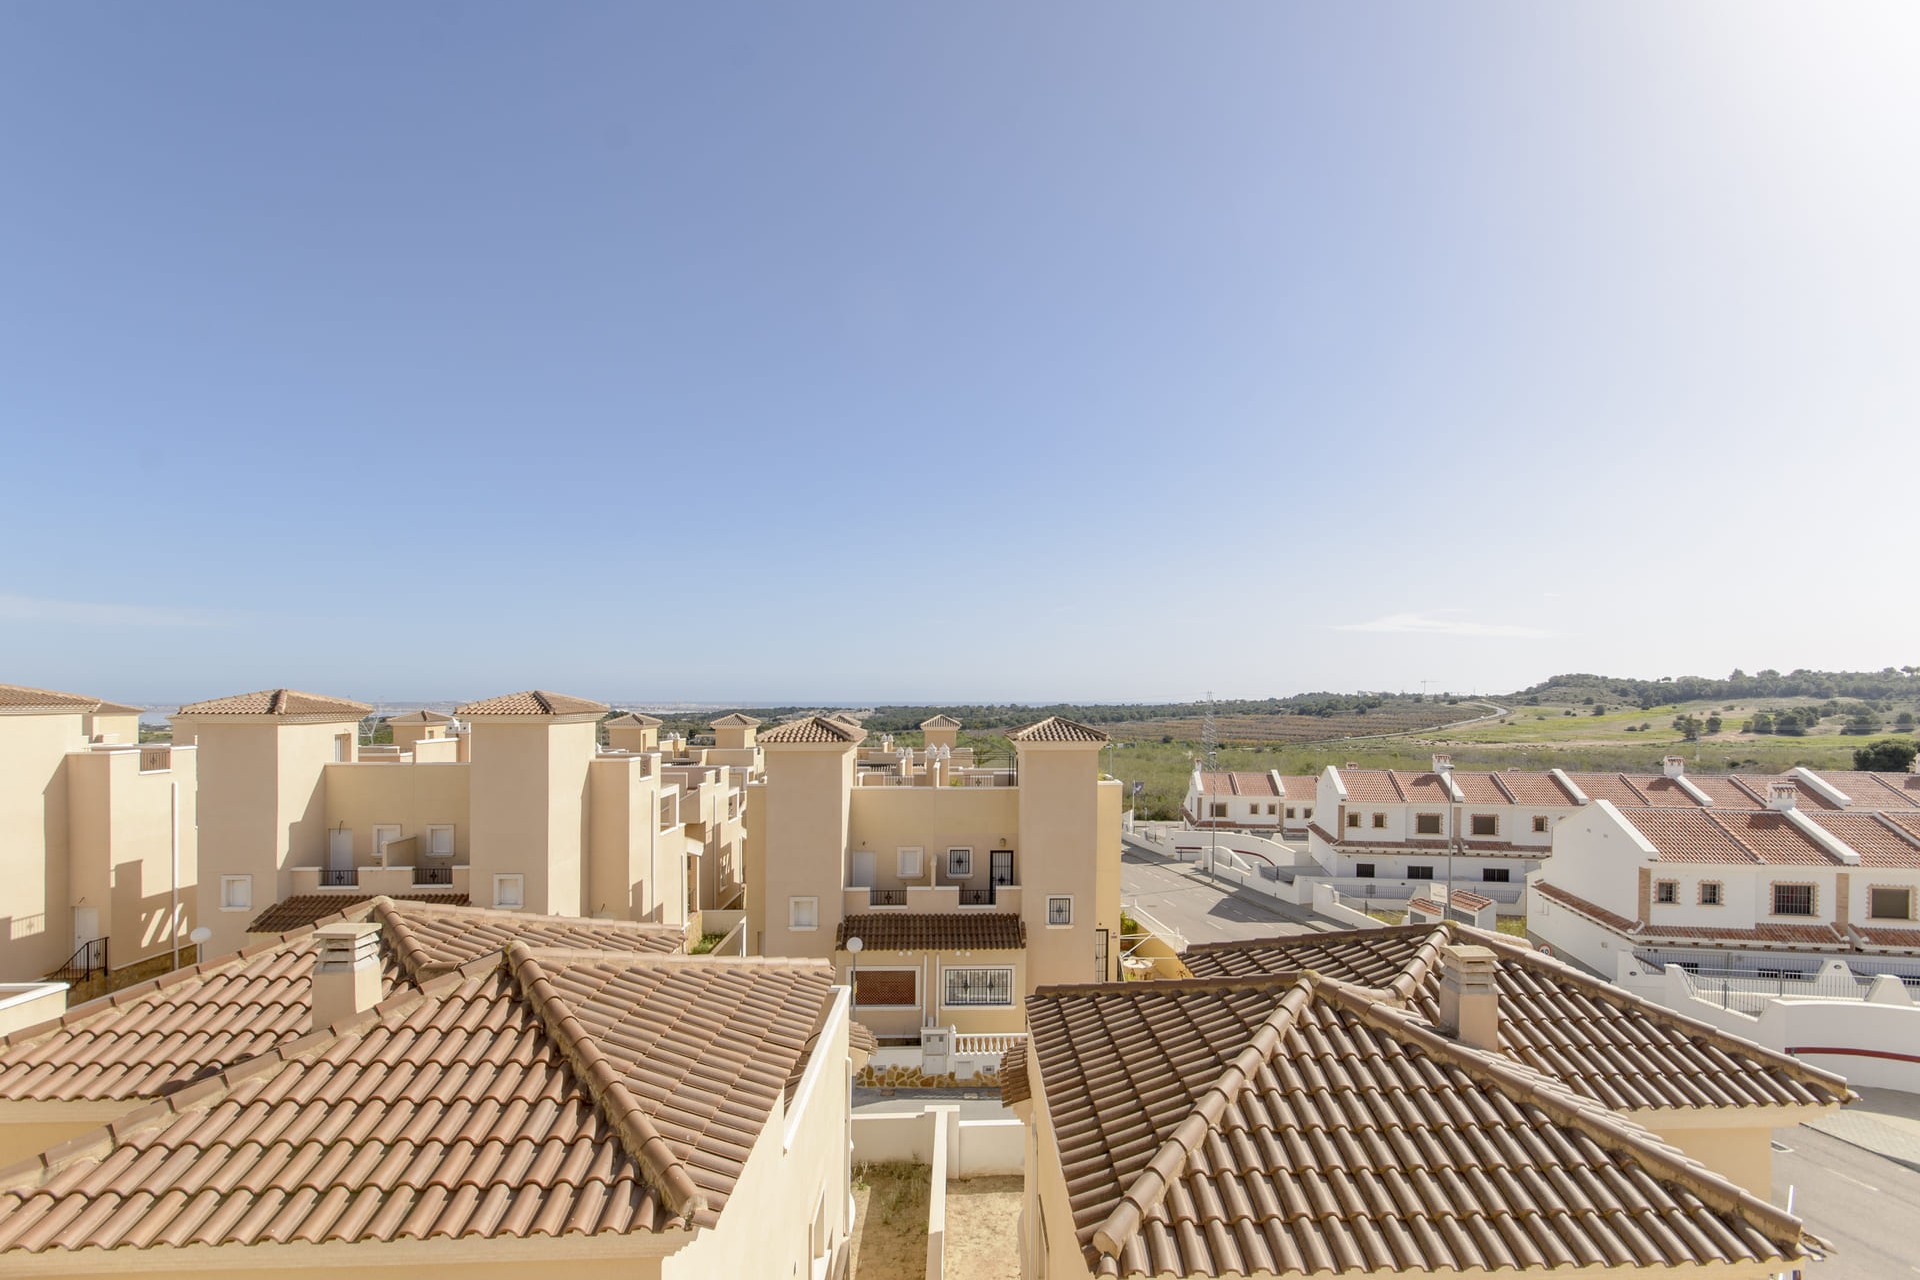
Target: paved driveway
pixel 1861 1203
pixel 1181 896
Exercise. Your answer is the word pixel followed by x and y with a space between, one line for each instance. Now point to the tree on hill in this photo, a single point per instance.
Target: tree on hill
pixel 1713 724
pixel 1863 721
pixel 1904 721
pixel 1889 755
pixel 1689 727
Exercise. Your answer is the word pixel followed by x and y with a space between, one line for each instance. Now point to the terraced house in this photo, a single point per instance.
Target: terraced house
pixel 98 848
pixel 957 894
pixel 524 810
pixel 438 1090
pixel 1395 1101
pixel 1393 832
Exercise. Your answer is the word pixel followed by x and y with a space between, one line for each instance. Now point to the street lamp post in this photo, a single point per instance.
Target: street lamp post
pixel 854 947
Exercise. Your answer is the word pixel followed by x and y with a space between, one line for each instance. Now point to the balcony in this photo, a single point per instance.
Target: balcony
pixel 346 878
pixel 424 877
pixel 886 897
pixel 977 897
pixel 370 880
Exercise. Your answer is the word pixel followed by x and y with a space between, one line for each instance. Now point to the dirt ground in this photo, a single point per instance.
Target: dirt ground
pixel 890 1224
pixel 983 1229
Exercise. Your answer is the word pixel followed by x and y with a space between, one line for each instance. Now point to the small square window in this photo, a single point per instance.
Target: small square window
pixel 1219 809
pixel 1290 812
pixel 236 893
pixel 1379 820
pixel 1710 893
pixel 908 863
pixel 1426 824
pixel 1793 899
pixel 1353 820
pixel 959 864
pixel 1496 875
pixel 1272 809
pixel 1306 813
pixel 510 891
pixel 440 841
pixel 803 914
pixel 1667 891
pixel 1540 822
pixel 1419 873
pixel 1486 824
pixel 1363 870
pixel 1059 911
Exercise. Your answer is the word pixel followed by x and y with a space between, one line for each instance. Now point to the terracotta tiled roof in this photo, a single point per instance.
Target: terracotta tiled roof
pixel 1617 787
pixel 1727 837
pixel 934 931
pixel 1662 791
pixel 1593 911
pixel 1237 783
pixel 1469 901
pixel 1013 1075
pixel 1880 843
pixel 1876 790
pixel 530 1094
pixel 1269 1126
pixel 1904 937
pixel 1908 822
pixel 149 1039
pixel 1300 786
pixel 1534 789
pixel 1372 786
pixel 532 702
pixel 1058 729
pixel 640 718
pixel 1597 1039
pixel 813 731
pixel 860 1038
pixel 303 909
pixel 942 721
pixel 1724 791
pixel 20 697
pixel 1481 789
pixel 1424 788
pixel 422 716
pixel 277 702
pixel 735 721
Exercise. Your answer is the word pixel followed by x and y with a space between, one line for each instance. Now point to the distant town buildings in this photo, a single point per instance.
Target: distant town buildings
pixel 1250 800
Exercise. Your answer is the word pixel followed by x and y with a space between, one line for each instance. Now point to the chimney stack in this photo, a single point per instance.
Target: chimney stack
pixel 1782 796
pixel 1443 764
pixel 1470 996
pixel 1676 765
pixel 346 972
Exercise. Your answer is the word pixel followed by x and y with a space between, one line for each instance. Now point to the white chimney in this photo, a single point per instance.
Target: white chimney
pixel 1443 764
pixel 1470 996
pixel 346 972
pixel 1676 765
pixel 1782 796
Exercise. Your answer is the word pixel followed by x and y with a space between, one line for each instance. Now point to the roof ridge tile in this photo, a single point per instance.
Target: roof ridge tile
pixel 622 1111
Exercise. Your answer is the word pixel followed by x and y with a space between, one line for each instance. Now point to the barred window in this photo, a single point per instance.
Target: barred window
pixel 1059 911
pixel 980 987
pixel 1793 899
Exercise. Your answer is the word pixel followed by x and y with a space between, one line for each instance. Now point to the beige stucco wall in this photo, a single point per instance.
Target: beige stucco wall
pixel 411 796
pixel 531 808
pixel 35 920
pixel 120 852
pixel 113 727
pixel 797 841
pixel 936 819
pixel 1743 1156
pixel 632 872
pixel 1062 827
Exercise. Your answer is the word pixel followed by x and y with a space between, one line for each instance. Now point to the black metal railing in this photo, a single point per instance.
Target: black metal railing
pixel 886 897
pixel 89 959
pixel 345 878
pixel 977 897
pixel 433 875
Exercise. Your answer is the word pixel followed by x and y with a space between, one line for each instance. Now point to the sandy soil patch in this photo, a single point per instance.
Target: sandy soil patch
pixel 890 1224
pixel 983 1229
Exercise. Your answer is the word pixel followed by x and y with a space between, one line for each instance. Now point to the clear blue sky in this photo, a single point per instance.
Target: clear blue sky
pixel 837 351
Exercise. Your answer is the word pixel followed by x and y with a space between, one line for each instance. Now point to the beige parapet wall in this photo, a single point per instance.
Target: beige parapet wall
pixel 976 1147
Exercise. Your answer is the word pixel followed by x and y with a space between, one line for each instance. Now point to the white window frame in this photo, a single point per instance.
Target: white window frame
pixel 956 868
pixel 1719 898
pixel 794 906
pixel 517 883
pixel 1666 893
pixel 910 862
pixel 435 829
pixel 232 901
pixel 1059 924
pixel 914 969
pixel 384 834
pixel 1012 997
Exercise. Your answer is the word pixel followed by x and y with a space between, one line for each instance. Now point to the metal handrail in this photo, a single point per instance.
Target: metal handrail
pixel 340 878
pixel 433 875
pixel 80 966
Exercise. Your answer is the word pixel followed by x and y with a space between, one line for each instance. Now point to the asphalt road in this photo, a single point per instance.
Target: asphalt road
pixel 1180 896
pixel 1863 1204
